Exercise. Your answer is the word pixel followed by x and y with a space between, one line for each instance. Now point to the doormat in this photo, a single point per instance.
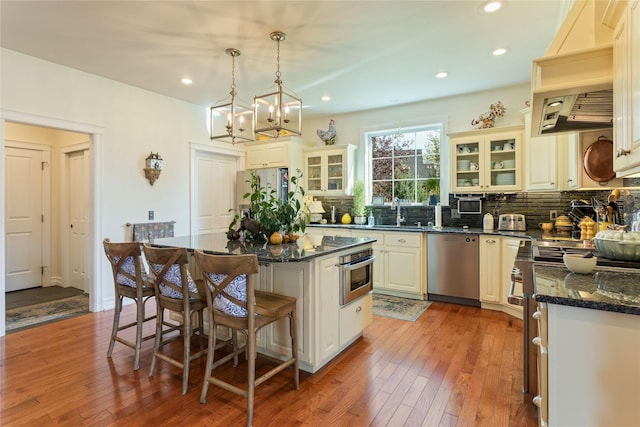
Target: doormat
pixel 46 312
pixel 399 308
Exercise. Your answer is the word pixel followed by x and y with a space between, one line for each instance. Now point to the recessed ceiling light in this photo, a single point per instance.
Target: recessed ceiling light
pixel 442 74
pixel 186 81
pixel 500 51
pixel 326 98
pixel 492 6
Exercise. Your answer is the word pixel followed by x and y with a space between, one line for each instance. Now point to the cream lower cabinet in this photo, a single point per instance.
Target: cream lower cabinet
pixel 400 268
pixel 497 255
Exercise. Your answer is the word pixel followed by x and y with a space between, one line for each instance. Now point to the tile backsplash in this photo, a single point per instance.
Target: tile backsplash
pixel 535 207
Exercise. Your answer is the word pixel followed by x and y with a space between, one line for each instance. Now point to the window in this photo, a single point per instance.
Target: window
pixel 405 164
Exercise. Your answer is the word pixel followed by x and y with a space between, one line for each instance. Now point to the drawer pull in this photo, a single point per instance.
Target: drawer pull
pixel 537 401
pixel 402 241
pixel 359 309
pixel 537 341
pixel 537 315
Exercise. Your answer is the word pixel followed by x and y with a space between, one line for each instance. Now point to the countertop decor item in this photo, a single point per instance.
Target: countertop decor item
pixel 578 263
pixel 231 118
pixel 153 167
pixel 279 111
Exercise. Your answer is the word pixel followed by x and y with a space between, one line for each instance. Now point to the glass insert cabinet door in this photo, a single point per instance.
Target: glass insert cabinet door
pixel 314 173
pixel 335 172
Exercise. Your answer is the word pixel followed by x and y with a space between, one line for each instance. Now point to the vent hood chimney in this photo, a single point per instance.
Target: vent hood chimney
pixel 572 85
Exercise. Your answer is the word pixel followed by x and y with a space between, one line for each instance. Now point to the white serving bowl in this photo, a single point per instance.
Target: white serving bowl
pixel 577 263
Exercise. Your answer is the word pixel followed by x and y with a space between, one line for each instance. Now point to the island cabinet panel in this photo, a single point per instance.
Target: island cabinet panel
pixel 328 297
pixel 593 368
pixel 288 279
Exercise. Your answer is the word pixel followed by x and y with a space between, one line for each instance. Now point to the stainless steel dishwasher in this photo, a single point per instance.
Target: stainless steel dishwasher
pixel 453 268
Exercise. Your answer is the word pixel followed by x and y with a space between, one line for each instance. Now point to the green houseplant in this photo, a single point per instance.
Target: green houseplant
pixel 290 210
pixel 432 191
pixel 359 206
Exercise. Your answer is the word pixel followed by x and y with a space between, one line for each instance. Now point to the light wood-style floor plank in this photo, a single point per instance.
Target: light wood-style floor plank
pixel 454 366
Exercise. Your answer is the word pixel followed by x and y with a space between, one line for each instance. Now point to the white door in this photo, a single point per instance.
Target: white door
pixel 214 192
pixel 23 218
pixel 77 189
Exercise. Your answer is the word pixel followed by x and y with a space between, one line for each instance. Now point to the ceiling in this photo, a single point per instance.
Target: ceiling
pixel 363 54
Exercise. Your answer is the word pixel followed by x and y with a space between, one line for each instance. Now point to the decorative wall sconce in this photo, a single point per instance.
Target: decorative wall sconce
pixel 153 167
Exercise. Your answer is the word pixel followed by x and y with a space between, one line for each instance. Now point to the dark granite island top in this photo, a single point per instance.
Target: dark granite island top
pixel 305 249
pixel 605 289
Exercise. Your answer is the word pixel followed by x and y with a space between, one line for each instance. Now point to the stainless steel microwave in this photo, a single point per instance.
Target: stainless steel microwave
pixel 469 205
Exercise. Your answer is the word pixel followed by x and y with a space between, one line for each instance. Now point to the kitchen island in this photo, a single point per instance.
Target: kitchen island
pixel 308 270
pixel 589 341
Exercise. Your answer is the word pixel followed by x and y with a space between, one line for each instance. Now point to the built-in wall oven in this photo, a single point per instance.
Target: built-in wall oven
pixel 356 275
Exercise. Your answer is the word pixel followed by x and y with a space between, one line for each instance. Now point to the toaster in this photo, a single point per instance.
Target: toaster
pixel 511 222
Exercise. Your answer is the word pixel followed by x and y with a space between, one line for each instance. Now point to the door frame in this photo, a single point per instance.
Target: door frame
pixel 96 136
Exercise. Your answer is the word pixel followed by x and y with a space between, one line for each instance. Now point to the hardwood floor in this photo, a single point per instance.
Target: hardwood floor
pixel 455 366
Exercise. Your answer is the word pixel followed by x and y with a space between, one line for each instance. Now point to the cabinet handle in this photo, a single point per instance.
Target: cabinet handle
pixel 570 180
pixel 537 401
pixel 537 341
pixel 622 152
pixel 402 241
pixel 491 241
pixel 537 315
pixel 552 183
pixel 358 309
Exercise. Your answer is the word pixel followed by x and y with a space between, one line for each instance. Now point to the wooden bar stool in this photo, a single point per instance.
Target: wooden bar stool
pixel 233 302
pixel 130 281
pixel 176 291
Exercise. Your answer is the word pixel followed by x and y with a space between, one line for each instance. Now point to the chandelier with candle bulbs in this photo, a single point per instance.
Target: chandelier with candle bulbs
pixel 279 112
pixel 231 119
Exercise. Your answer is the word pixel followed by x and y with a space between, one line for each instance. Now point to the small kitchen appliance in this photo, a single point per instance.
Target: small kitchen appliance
pixel 511 222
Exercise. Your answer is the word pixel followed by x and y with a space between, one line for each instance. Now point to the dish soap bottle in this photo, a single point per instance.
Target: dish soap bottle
pixel 371 221
pixel 487 222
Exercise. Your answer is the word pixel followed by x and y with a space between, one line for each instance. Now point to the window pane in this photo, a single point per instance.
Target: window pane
pixel 406 164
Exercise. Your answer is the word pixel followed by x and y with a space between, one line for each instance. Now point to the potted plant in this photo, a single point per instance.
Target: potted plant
pixel 264 207
pixel 359 206
pixel 290 210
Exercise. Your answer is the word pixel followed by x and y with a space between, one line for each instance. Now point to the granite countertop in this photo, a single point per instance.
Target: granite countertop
pixel 604 289
pixel 425 229
pixel 305 249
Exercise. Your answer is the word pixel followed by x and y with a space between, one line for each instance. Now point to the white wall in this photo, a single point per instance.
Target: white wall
pixel 135 122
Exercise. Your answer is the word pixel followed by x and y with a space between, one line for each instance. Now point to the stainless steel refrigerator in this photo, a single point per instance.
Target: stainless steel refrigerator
pixel 276 178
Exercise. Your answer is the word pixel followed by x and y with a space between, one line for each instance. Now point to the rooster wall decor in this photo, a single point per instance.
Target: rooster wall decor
pixel 329 135
pixel 488 119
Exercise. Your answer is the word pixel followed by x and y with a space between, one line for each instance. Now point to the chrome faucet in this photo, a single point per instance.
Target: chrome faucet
pixel 396 205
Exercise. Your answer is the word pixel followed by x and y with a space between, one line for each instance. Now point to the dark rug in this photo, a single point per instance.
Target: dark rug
pixel 46 312
pixel 399 308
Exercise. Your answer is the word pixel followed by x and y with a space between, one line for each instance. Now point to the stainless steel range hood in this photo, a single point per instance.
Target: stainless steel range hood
pixel 573 92
pixel 572 85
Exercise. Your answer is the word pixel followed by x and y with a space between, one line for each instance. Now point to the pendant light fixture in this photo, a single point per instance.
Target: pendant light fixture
pixel 231 121
pixel 279 112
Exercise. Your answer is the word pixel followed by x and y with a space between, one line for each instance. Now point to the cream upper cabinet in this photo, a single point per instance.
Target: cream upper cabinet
pixel 626 88
pixel 329 170
pixel 551 161
pixel 280 153
pixel 487 160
